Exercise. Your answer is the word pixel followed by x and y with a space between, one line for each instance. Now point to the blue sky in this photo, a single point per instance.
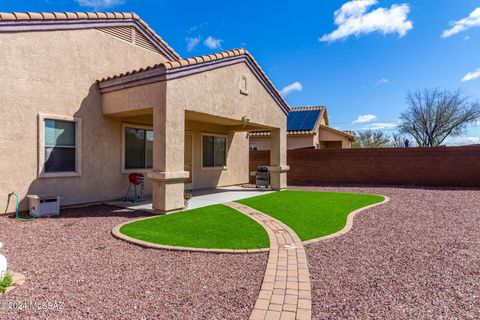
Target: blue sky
pixel 359 57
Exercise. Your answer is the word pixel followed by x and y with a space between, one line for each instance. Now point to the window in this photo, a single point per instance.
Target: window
pixel 253 146
pixel 59 146
pixel 214 148
pixel 138 148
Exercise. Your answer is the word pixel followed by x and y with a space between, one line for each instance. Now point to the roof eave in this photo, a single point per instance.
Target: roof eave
pixel 165 72
pixel 338 132
pixel 31 21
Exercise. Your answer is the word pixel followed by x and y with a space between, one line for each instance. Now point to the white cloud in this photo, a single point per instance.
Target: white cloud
pixel 382 81
pixel 197 27
pixel 213 43
pixel 365 118
pixel 462 140
pixel 99 4
pixel 192 42
pixel 381 126
pixel 296 86
pixel 473 20
pixel 353 18
pixel 471 75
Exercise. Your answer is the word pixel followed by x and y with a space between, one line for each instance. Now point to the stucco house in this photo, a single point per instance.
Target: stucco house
pixel 307 127
pixel 89 97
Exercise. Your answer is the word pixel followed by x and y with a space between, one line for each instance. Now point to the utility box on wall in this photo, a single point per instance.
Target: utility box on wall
pixel 44 206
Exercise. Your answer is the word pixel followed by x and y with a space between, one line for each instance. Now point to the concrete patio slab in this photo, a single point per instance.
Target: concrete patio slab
pixel 201 198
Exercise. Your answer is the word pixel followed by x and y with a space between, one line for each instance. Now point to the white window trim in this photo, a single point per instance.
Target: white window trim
pixel 135 126
pixel 226 148
pixel 41 146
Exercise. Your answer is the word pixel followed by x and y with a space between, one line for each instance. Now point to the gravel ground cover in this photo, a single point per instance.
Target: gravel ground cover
pixel 74 260
pixel 415 257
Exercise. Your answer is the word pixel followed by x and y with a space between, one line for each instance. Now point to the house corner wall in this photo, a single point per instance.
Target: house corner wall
pixel 54 72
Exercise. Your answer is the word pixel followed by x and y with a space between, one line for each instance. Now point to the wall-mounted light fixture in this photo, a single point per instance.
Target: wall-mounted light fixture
pixel 245 121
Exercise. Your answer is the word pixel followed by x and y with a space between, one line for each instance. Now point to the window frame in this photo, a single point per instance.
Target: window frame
pixel 209 134
pixel 41 146
pixel 133 126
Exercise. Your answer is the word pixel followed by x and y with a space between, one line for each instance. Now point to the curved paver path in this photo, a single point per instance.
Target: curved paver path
pixel 286 289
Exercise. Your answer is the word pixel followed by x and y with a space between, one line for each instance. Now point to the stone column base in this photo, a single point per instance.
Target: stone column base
pixel 278 177
pixel 168 189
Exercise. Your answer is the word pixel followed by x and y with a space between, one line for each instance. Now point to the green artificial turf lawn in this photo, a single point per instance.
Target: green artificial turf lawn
pixel 216 226
pixel 311 214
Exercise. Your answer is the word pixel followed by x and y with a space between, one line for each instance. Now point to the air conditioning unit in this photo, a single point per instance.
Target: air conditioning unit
pixel 44 206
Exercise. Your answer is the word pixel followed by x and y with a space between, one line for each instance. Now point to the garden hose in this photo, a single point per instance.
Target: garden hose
pixel 32 213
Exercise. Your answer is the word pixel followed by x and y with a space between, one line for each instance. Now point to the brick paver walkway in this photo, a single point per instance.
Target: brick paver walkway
pixel 286 292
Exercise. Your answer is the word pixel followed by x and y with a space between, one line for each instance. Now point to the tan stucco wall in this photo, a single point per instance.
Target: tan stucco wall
pixel 323 120
pixel 327 135
pixel 236 171
pixel 217 92
pixel 262 142
pixel 293 142
pixel 300 142
pixel 55 72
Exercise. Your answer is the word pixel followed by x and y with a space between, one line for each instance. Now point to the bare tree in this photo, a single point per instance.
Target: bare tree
pixel 371 139
pixel 400 140
pixel 435 114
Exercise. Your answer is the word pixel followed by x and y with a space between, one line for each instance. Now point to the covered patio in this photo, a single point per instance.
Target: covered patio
pixel 200 198
pixel 200 111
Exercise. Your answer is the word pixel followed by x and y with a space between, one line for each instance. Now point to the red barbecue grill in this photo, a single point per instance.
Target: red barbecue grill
pixel 136 181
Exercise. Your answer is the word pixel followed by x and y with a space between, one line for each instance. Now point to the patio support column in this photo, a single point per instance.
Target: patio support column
pixel 168 174
pixel 278 159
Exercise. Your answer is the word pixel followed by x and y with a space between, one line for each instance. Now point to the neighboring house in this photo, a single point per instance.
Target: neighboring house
pixel 307 127
pixel 89 97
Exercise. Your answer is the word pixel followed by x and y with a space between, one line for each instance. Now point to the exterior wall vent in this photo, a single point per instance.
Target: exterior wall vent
pixel 131 35
pixel 124 33
pixel 142 41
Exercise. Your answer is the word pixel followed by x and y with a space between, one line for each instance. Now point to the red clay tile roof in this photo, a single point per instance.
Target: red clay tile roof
pixel 308 108
pixel 52 16
pixel 289 133
pixel 186 62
